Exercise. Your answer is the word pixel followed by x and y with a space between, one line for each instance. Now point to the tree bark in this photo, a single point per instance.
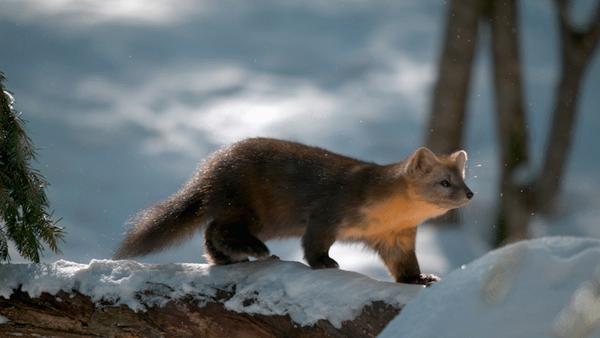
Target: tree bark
pixel 577 49
pixel 76 315
pixel 445 128
pixel 515 201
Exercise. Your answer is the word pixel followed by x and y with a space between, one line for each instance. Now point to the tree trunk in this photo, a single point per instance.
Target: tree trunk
pixel 76 315
pixel 577 48
pixel 515 202
pixel 445 130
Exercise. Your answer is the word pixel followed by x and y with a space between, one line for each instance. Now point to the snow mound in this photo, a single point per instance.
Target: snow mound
pixel 264 287
pixel 548 287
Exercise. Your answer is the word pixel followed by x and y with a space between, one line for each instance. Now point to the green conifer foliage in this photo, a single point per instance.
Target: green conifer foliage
pixel 24 215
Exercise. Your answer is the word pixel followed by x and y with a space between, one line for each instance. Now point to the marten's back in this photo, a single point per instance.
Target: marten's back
pixel 279 182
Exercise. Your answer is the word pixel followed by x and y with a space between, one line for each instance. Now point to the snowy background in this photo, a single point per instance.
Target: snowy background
pixel 124 99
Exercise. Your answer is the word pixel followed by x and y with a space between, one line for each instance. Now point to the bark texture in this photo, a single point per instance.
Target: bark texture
pixel 515 200
pixel 75 315
pixel 522 191
pixel 447 118
pixel 577 48
pixel 445 130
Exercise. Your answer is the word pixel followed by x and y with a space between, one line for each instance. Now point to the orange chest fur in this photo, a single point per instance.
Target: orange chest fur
pixel 390 216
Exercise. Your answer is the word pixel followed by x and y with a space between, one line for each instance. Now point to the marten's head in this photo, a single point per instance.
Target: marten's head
pixel 438 180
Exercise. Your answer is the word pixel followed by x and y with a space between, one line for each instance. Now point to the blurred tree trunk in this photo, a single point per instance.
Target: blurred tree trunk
pixel 515 200
pixel 577 48
pixel 518 198
pixel 445 130
pixel 521 192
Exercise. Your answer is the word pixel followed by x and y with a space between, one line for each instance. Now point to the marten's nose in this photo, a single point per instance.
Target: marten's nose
pixel 469 194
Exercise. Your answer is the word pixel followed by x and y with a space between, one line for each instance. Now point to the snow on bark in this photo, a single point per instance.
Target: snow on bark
pixel 266 287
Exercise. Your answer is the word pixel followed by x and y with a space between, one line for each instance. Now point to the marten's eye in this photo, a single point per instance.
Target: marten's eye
pixel 445 183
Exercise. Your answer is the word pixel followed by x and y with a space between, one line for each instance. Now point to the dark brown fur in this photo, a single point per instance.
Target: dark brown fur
pixel 260 189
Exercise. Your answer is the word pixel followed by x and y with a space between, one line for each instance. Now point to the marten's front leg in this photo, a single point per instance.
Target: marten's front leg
pixel 398 254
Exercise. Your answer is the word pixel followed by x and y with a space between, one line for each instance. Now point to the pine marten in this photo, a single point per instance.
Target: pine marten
pixel 260 189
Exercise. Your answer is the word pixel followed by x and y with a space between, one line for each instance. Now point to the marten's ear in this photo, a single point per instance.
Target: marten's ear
pixel 460 158
pixel 422 161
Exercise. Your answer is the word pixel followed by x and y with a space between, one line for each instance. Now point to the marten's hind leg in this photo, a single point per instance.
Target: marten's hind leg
pixel 232 242
pixel 316 241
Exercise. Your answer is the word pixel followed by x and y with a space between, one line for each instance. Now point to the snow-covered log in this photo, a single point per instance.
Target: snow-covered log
pixel 257 299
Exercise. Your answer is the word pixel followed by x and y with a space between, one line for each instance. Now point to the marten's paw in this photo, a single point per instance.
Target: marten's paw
pixel 423 279
pixel 323 262
pixel 428 279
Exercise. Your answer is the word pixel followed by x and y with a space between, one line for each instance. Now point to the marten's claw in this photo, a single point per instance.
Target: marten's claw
pixel 428 279
pixel 423 279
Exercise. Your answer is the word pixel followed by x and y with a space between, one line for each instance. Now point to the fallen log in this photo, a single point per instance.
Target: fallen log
pixel 73 307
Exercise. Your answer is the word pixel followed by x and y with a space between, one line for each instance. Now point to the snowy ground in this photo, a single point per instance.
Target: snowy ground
pixel 547 287
pixel 267 287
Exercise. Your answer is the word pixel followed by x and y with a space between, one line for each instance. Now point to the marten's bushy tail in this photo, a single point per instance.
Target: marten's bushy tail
pixel 163 225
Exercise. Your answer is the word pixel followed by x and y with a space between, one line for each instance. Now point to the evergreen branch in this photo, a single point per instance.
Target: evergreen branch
pixel 23 202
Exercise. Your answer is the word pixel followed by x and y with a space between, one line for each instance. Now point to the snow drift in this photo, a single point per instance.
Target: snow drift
pixel 547 287
pixel 265 287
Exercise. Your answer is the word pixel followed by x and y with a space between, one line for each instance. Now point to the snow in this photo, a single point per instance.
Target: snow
pixel 262 287
pixel 547 287
pixel 3 320
pixel 11 99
